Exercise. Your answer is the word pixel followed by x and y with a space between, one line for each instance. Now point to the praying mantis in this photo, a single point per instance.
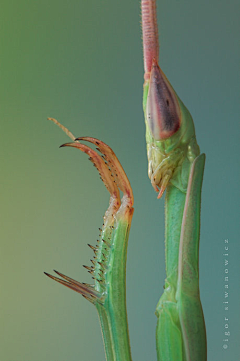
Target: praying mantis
pixel 174 163
pixel 176 166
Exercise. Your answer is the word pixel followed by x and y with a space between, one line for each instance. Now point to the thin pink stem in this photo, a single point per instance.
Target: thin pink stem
pixel 150 34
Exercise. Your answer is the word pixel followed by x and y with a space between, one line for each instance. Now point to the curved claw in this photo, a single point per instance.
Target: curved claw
pixel 76 286
pixel 101 166
pixel 118 172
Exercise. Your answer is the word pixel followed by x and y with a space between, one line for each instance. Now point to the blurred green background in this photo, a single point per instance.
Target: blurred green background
pixel 81 62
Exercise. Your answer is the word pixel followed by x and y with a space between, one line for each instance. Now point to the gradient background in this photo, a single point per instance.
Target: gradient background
pixel 81 62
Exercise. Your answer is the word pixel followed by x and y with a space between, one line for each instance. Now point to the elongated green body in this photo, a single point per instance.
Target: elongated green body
pixel 174 165
pixel 180 334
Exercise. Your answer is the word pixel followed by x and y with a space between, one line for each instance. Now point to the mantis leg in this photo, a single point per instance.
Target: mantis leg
pixel 181 331
pixel 187 295
pixel 168 328
pixel 109 262
pixel 169 338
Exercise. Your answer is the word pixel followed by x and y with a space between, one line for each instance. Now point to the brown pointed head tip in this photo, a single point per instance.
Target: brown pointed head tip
pixel 154 63
pixel 163 110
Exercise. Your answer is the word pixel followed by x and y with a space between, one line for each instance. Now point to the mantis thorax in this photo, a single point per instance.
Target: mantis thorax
pixel 166 155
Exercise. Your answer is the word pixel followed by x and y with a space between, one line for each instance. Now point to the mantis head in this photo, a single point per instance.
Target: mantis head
pixel 170 133
pixel 163 109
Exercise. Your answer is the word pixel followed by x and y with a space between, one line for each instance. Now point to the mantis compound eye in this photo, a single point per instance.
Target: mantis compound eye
pixel 163 110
